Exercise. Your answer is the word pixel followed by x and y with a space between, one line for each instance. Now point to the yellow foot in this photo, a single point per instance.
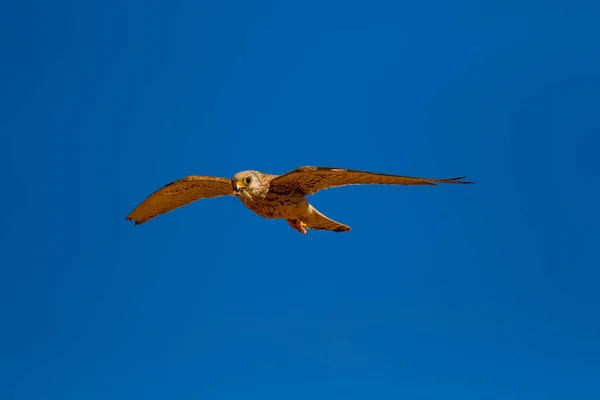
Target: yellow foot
pixel 297 225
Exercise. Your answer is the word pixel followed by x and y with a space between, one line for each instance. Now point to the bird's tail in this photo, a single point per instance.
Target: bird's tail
pixel 317 221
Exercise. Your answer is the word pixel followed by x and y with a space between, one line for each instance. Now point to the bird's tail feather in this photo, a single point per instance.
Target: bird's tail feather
pixel 317 221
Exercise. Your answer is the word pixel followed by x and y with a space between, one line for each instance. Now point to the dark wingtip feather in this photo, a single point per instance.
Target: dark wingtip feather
pixel 133 221
pixel 458 180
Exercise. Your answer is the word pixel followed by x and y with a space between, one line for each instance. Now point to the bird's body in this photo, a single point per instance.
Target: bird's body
pixel 275 206
pixel 272 196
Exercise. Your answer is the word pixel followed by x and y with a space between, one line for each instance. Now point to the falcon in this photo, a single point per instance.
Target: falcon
pixel 272 196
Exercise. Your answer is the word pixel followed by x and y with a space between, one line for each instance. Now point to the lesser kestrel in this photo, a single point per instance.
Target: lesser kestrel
pixel 272 196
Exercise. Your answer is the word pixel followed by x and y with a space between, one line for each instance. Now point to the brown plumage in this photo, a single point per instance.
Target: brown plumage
pixel 272 196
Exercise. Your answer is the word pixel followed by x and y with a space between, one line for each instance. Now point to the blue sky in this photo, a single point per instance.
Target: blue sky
pixel 482 291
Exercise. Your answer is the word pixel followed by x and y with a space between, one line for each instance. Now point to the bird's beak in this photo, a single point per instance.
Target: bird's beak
pixel 236 188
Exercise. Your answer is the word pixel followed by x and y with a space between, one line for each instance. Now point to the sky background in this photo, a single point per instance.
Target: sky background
pixel 488 291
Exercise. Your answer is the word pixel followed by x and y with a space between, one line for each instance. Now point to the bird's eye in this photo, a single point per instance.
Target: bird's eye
pixel 248 179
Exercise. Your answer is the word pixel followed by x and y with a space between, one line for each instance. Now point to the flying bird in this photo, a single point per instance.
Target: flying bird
pixel 272 196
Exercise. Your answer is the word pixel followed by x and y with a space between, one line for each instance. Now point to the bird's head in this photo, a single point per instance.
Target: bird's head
pixel 247 184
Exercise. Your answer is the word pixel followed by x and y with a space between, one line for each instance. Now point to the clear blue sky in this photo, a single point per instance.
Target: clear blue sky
pixel 488 291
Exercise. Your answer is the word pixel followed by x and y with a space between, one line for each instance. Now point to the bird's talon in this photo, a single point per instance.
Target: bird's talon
pixel 299 226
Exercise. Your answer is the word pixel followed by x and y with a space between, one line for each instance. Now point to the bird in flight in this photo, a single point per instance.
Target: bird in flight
pixel 272 196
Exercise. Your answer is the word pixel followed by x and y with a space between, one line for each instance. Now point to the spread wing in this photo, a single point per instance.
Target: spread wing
pixel 179 193
pixel 309 180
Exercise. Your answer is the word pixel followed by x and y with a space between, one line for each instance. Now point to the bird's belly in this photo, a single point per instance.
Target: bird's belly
pixel 278 207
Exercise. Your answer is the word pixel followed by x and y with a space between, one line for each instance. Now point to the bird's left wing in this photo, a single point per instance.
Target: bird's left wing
pixel 309 180
pixel 179 193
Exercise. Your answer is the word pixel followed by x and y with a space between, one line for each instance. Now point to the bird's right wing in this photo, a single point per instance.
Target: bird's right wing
pixel 179 193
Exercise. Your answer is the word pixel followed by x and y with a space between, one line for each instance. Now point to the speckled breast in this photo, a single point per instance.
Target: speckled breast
pixel 277 206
